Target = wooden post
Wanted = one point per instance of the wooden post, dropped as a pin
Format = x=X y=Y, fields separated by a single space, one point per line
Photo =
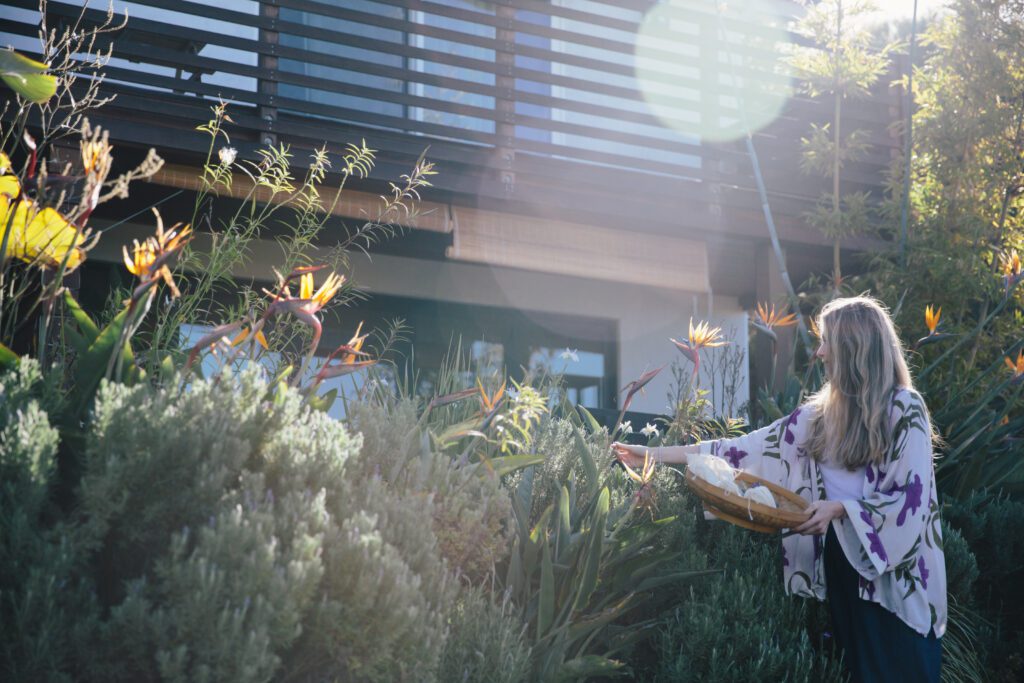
x=268 y=64
x=505 y=104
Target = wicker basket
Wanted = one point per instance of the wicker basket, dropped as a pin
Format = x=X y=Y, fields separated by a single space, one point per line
x=747 y=513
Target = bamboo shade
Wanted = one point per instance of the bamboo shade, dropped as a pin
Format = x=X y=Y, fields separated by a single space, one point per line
x=574 y=249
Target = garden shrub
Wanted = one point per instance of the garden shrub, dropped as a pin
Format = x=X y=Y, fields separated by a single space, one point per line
x=993 y=527
x=41 y=598
x=741 y=626
x=470 y=508
x=485 y=642
x=228 y=542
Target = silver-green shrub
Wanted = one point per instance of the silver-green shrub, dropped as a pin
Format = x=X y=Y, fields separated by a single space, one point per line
x=470 y=508
x=42 y=600
x=485 y=643
x=231 y=543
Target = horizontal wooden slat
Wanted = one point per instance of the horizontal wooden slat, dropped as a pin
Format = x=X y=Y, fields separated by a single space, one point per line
x=498 y=123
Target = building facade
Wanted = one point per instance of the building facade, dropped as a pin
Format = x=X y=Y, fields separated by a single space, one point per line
x=594 y=191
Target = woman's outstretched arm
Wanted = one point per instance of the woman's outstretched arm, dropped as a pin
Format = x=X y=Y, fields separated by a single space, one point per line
x=633 y=455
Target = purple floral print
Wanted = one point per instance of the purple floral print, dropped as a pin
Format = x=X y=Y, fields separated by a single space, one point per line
x=790 y=423
x=911 y=499
x=734 y=455
x=876 y=542
x=923 y=570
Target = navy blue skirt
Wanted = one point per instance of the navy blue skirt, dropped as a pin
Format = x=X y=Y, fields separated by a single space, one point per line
x=875 y=644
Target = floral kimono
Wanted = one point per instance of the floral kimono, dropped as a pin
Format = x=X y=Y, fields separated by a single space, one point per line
x=891 y=536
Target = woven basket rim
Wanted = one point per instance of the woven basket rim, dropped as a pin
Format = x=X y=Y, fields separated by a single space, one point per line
x=745 y=512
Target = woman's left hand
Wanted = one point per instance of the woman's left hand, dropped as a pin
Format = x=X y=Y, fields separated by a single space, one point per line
x=822 y=513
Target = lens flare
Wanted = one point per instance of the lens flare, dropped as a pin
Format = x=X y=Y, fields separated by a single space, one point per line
x=714 y=70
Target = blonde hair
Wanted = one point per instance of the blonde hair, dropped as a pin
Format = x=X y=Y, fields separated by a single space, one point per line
x=850 y=424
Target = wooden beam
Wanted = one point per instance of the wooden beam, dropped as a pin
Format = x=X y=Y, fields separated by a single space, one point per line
x=578 y=250
x=432 y=216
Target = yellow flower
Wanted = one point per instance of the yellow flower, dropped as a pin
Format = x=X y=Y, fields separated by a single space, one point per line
x=770 y=319
x=1011 y=264
x=646 y=472
x=96 y=157
x=931 y=318
x=41 y=237
x=142 y=257
x=705 y=336
x=322 y=296
x=9 y=184
x=244 y=334
x=355 y=344
x=488 y=404
x=1016 y=368
x=148 y=260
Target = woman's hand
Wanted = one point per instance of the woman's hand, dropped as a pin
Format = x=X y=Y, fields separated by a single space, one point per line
x=822 y=513
x=631 y=455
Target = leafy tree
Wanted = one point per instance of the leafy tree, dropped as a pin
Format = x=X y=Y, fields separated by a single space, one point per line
x=843 y=64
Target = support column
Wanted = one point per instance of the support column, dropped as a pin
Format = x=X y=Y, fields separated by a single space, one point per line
x=268 y=64
x=505 y=105
x=770 y=290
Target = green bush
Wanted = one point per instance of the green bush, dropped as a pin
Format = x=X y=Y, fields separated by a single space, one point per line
x=42 y=599
x=218 y=535
x=485 y=642
x=993 y=527
x=741 y=626
x=470 y=509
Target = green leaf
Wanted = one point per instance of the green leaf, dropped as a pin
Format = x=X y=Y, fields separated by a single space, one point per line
x=8 y=358
x=546 y=608
x=589 y=466
x=593 y=558
x=27 y=77
x=167 y=368
x=590 y=420
x=323 y=403
x=658 y=581
x=507 y=464
x=564 y=520
x=77 y=341
x=588 y=666
x=92 y=365
x=85 y=324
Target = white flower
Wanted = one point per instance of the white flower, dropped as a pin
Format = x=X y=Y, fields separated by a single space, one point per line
x=570 y=354
x=626 y=427
x=649 y=431
x=227 y=155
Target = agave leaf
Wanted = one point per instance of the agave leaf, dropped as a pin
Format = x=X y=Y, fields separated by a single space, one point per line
x=592 y=560
x=653 y=582
x=92 y=365
x=590 y=420
x=564 y=525
x=589 y=466
x=27 y=77
x=8 y=358
x=540 y=527
x=508 y=464
x=79 y=343
x=589 y=666
x=85 y=324
x=546 y=607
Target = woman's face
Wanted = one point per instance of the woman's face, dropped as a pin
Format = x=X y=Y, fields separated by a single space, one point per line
x=823 y=352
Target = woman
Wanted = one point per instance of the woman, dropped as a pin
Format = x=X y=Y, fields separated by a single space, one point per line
x=861 y=451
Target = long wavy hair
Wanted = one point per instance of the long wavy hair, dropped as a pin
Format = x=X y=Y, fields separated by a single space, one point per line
x=850 y=424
